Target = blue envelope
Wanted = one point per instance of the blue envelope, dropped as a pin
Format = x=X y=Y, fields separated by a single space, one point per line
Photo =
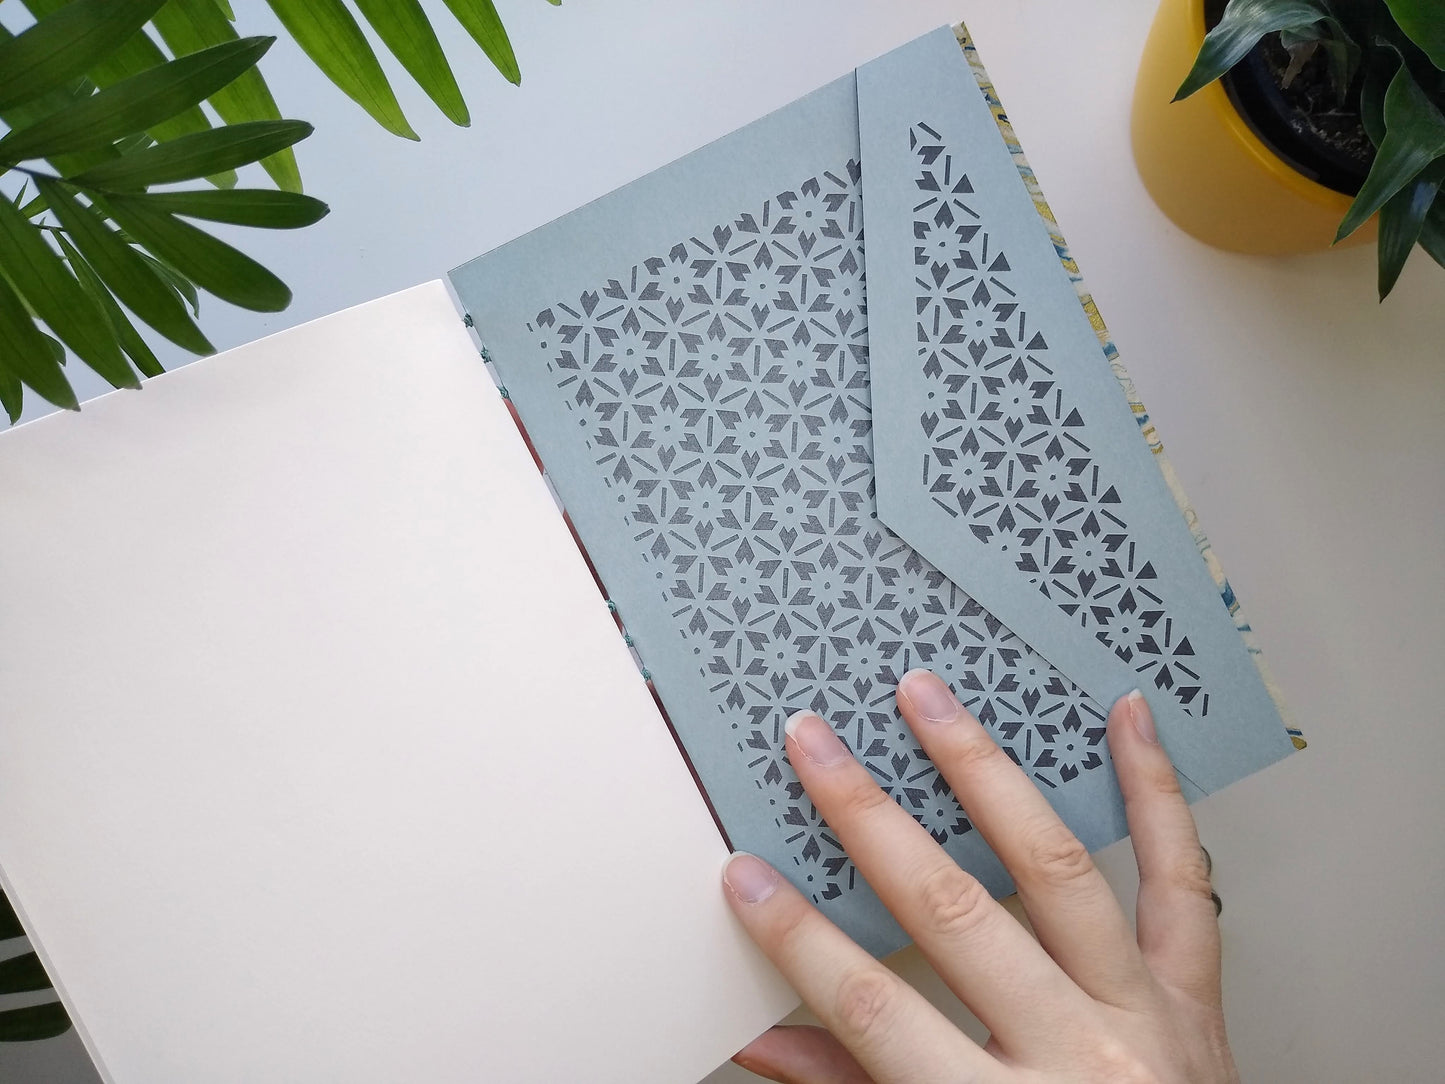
x=826 y=401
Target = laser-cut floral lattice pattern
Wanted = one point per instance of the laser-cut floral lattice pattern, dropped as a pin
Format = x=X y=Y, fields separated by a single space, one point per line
x=1008 y=453
x=723 y=389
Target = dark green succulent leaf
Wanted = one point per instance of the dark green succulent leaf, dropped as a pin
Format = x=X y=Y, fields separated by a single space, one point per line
x=121 y=268
x=1380 y=68
x=135 y=347
x=187 y=26
x=20 y=974
x=1344 y=59
x=210 y=263
x=1244 y=23
x=329 y=34
x=33 y=1023
x=480 y=19
x=1401 y=220
x=57 y=298
x=404 y=27
x=1414 y=137
x=12 y=393
x=133 y=105
x=27 y=354
x=243 y=207
x=63 y=46
x=196 y=155
x=185 y=289
x=1424 y=22
x=9 y=921
x=1432 y=231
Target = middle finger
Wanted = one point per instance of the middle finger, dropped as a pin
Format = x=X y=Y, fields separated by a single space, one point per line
x=1071 y=907
x=984 y=956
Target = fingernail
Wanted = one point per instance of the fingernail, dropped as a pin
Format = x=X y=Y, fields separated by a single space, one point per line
x=929 y=697
x=1143 y=718
x=748 y=878
x=815 y=739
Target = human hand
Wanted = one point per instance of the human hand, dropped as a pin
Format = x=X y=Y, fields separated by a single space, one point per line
x=1087 y=1001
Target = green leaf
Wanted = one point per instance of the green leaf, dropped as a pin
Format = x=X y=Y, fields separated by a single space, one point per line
x=64 y=45
x=1244 y=23
x=135 y=104
x=45 y=282
x=1424 y=22
x=329 y=34
x=210 y=263
x=1401 y=220
x=9 y=921
x=34 y=1022
x=136 y=348
x=22 y=973
x=480 y=19
x=195 y=155
x=121 y=268
x=1432 y=232
x=185 y=289
x=27 y=354
x=1378 y=72
x=136 y=54
x=12 y=393
x=243 y=207
x=187 y=26
x=1414 y=137
x=404 y=27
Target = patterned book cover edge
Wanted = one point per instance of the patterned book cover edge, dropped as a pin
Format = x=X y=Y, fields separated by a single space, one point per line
x=1111 y=352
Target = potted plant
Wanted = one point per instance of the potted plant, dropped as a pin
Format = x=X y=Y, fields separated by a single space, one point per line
x=1281 y=126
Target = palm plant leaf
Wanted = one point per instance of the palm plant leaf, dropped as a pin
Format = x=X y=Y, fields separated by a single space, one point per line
x=328 y=33
x=135 y=347
x=65 y=45
x=211 y=264
x=123 y=270
x=134 y=104
x=27 y=354
x=187 y=26
x=193 y=156
x=53 y=293
x=480 y=19
x=403 y=26
x=244 y=207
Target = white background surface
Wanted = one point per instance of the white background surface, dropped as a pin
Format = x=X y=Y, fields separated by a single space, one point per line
x=1306 y=421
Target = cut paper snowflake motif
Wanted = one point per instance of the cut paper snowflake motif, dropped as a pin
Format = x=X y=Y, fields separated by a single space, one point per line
x=1009 y=455
x=723 y=391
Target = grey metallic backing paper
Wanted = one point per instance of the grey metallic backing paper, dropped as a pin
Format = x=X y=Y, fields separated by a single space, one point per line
x=794 y=493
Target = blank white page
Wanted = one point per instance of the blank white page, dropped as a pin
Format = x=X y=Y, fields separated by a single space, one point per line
x=321 y=758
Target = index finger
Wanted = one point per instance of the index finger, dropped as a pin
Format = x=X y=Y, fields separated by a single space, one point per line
x=883 y=1022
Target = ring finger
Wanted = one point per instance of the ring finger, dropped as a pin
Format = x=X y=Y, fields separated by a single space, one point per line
x=976 y=947
x=1070 y=906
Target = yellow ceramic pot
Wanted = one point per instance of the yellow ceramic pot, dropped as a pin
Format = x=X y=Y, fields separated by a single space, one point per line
x=1205 y=167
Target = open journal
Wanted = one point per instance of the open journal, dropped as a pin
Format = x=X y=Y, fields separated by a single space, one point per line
x=322 y=755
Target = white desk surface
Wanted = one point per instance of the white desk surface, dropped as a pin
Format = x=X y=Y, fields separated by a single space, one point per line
x=1307 y=422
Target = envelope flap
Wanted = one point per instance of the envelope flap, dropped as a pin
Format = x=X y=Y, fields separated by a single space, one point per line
x=1006 y=449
